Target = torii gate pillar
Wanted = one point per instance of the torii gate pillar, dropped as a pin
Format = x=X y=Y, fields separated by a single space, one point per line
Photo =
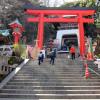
x=40 y=31
x=81 y=33
x=81 y=36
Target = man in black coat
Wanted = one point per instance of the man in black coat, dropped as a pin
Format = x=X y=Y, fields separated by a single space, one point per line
x=52 y=57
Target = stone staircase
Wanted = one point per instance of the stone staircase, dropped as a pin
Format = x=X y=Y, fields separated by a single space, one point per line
x=63 y=81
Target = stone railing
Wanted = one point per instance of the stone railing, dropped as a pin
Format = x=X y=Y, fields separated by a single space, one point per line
x=5 y=68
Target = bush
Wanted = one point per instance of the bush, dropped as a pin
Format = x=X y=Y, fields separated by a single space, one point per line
x=98 y=55
x=14 y=60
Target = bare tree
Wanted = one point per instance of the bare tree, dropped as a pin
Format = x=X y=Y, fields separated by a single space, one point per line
x=37 y=2
x=52 y=3
x=45 y=2
x=55 y=3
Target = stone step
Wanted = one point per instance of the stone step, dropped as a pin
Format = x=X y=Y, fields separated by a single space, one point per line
x=50 y=76
x=82 y=87
x=54 y=77
x=55 y=80
x=39 y=99
x=41 y=91
x=52 y=68
x=55 y=74
x=60 y=73
x=50 y=96
x=65 y=70
x=53 y=83
x=50 y=73
x=42 y=74
x=59 y=66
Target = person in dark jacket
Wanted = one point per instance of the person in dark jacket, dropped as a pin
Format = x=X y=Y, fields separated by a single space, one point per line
x=40 y=58
x=52 y=57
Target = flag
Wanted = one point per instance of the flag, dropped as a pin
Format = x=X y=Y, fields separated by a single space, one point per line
x=90 y=50
x=90 y=46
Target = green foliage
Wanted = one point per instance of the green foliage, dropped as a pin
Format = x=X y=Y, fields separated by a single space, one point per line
x=20 y=54
x=97 y=49
x=20 y=50
x=89 y=28
x=85 y=3
x=36 y=2
x=12 y=60
x=31 y=30
x=97 y=19
x=98 y=55
x=2 y=77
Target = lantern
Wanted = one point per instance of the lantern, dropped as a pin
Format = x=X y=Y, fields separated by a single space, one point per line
x=17 y=30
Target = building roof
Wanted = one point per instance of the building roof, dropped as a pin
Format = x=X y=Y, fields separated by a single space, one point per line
x=37 y=7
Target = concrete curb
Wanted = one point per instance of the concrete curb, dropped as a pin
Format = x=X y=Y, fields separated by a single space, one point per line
x=13 y=73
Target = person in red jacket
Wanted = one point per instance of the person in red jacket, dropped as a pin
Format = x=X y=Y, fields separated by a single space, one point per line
x=72 y=52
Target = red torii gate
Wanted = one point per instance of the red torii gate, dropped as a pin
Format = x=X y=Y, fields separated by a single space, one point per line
x=39 y=16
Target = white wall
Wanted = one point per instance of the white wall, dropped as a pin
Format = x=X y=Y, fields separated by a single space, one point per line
x=61 y=33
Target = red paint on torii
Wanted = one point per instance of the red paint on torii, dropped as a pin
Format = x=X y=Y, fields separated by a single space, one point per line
x=41 y=19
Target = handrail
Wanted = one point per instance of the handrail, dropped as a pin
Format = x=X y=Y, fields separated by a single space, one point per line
x=85 y=62
x=6 y=68
x=15 y=71
x=93 y=71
